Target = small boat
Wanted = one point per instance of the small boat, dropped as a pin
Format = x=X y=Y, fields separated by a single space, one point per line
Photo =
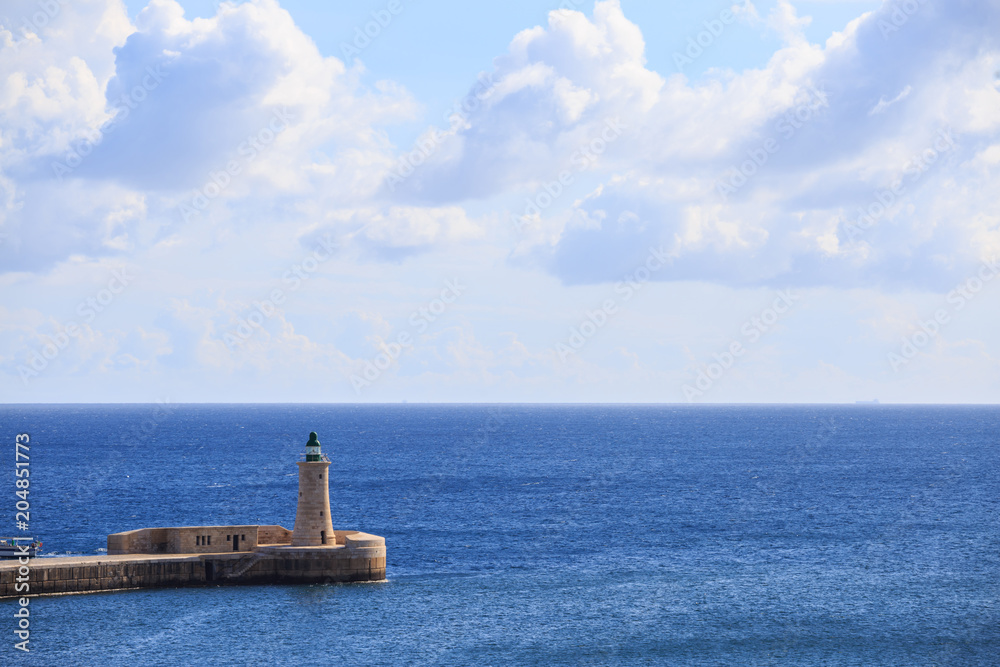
x=13 y=547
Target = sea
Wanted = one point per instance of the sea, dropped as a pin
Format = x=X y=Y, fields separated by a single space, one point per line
x=535 y=534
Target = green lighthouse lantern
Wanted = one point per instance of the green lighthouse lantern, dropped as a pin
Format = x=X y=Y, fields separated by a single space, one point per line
x=312 y=448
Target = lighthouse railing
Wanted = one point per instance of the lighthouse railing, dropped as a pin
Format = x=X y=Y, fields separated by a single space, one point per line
x=322 y=457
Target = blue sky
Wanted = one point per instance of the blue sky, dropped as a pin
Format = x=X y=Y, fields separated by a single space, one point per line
x=618 y=201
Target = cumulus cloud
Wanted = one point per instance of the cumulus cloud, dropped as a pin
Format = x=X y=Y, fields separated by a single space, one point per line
x=228 y=78
x=845 y=197
x=550 y=94
x=393 y=233
x=768 y=176
x=765 y=176
x=110 y=131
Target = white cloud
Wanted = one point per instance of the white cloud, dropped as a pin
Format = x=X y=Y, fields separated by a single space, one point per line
x=135 y=121
x=847 y=119
x=884 y=104
x=829 y=127
x=395 y=232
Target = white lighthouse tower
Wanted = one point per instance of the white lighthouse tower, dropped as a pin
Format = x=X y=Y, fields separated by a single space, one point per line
x=313 y=526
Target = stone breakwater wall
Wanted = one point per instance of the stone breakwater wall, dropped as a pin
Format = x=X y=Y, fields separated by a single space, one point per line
x=360 y=558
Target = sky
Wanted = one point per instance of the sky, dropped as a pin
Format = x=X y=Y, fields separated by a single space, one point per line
x=613 y=201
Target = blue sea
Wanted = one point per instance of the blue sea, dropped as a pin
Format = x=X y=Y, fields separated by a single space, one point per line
x=537 y=535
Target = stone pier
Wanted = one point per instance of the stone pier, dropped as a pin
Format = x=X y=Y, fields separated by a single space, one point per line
x=356 y=557
x=312 y=553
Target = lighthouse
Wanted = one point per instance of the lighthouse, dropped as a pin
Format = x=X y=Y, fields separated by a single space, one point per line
x=313 y=526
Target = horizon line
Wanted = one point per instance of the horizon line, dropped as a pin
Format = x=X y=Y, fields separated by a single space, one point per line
x=866 y=404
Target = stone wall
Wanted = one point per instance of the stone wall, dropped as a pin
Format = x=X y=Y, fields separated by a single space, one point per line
x=273 y=535
x=212 y=539
x=145 y=541
x=83 y=575
x=268 y=565
x=278 y=565
x=183 y=540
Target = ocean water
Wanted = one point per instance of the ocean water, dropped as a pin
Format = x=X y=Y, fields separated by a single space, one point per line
x=538 y=535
